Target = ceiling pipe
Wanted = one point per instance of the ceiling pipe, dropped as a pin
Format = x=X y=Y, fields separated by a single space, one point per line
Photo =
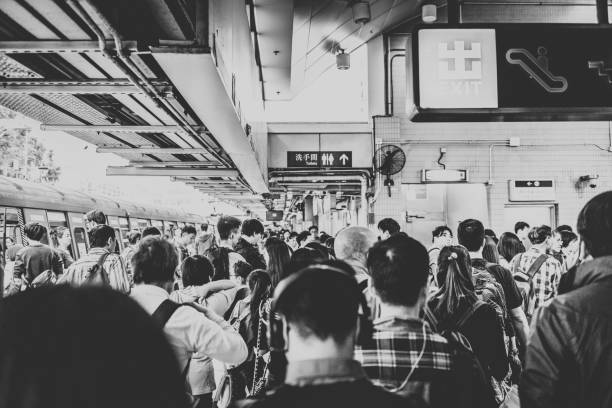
x=155 y=171
x=152 y=150
x=602 y=12
x=132 y=71
x=112 y=128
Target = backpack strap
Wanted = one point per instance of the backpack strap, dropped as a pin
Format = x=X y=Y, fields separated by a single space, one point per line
x=164 y=312
x=535 y=267
x=363 y=285
x=468 y=313
x=100 y=270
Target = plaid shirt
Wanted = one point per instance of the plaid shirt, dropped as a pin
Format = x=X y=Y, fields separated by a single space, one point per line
x=78 y=272
x=399 y=342
x=545 y=281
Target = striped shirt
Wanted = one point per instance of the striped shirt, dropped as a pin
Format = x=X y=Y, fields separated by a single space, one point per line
x=78 y=273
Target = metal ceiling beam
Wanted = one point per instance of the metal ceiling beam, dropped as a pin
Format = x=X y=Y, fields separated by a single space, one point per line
x=113 y=128
x=151 y=150
x=173 y=163
x=153 y=171
x=52 y=46
x=41 y=86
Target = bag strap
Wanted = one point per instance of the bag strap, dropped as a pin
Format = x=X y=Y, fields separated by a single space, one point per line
x=100 y=265
x=535 y=267
x=468 y=313
x=164 y=312
x=363 y=285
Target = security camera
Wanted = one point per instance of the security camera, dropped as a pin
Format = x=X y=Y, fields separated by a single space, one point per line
x=590 y=179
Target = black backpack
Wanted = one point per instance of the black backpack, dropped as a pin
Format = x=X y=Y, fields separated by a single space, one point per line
x=96 y=270
x=473 y=390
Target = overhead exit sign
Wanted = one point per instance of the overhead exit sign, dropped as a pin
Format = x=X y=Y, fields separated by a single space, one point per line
x=511 y=72
x=320 y=159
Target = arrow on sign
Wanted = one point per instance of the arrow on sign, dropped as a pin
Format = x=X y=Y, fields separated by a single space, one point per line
x=344 y=158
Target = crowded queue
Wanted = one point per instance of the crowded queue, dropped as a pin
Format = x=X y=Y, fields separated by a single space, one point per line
x=253 y=318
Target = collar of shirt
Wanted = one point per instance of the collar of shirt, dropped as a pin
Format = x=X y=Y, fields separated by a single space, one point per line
x=323 y=371
x=149 y=296
x=98 y=251
x=536 y=250
x=36 y=244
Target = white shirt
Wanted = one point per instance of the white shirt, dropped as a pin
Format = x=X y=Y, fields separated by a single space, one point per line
x=193 y=336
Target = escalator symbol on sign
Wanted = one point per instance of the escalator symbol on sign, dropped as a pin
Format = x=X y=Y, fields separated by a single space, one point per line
x=537 y=68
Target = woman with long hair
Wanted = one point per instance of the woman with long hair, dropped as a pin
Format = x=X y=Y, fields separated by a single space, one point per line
x=277 y=258
x=489 y=251
x=509 y=246
x=456 y=307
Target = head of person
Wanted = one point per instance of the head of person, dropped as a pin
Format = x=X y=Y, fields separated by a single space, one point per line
x=509 y=246
x=442 y=236
x=188 y=235
x=241 y=272
x=229 y=229
x=102 y=236
x=318 y=308
x=387 y=227
x=455 y=279
x=489 y=251
x=9 y=242
x=556 y=243
x=277 y=258
x=302 y=238
x=134 y=237
x=204 y=227
x=491 y=234
x=353 y=243
x=316 y=245
x=34 y=231
x=61 y=237
x=564 y=227
x=399 y=268
x=303 y=258
x=314 y=231
x=567 y=238
x=293 y=238
x=521 y=229
x=86 y=349
x=196 y=270
x=323 y=236
x=252 y=231
x=154 y=262
x=471 y=234
x=542 y=235
x=94 y=217
x=286 y=235
x=151 y=232
x=595 y=225
x=329 y=244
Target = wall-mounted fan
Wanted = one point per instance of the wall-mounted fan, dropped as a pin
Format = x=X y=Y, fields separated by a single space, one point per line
x=389 y=160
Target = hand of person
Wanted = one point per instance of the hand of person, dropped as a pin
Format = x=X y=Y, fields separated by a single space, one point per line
x=208 y=313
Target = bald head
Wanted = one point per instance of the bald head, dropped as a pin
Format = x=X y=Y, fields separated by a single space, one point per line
x=353 y=243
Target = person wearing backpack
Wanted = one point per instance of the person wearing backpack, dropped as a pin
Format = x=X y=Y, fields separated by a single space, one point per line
x=100 y=266
x=223 y=256
x=194 y=332
x=405 y=355
x=456 y=307
x=471 y=234
x=37 y=264
x=537 y=274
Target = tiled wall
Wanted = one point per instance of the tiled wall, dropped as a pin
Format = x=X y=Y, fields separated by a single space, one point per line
x=562 y=151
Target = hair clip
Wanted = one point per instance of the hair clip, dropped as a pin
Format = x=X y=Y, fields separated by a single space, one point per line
x=452 y=256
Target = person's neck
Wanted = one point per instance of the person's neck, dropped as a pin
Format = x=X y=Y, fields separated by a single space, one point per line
x=476 y=254
x=316 y=349
x=250 y=240
x=226 y=244
x=541 y=247
x=387 y=310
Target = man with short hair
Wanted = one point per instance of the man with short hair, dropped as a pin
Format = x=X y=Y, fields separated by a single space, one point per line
x=318 y=310
x=471 y=234
x=521 y=229
x=387 y=227
x=196 y=333
x=406 y=355
x=247 y=245
x=151 y=231
x=35 y=258
x=569 y=358
x=314 y=233
x=112 y=271
x=186 y=239
x=205 y=241
x=224 y=257
x=93 y=218
x=351 y=246
x=441 y=237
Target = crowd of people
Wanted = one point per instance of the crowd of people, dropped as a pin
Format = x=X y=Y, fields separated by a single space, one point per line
x=254 y=318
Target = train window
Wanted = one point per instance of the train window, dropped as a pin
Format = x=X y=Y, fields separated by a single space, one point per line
x=81 y=240
x=142 y=224
x=13 y=232
x=113 y=221
x=123 y=223
x=158 y=224
x=39 y=216
x=60 y=235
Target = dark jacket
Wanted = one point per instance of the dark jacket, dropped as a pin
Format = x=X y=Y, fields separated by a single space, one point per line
x=33 y=260
x=250 y=253
x=569 y=356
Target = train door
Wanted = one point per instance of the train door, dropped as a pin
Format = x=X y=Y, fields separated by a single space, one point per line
x=532 y=214
x=431 y=205
x=124 y=230
x=114 y=223
x=79 y=234
x=58 y=226
x=10 y=226
x=40 y=216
